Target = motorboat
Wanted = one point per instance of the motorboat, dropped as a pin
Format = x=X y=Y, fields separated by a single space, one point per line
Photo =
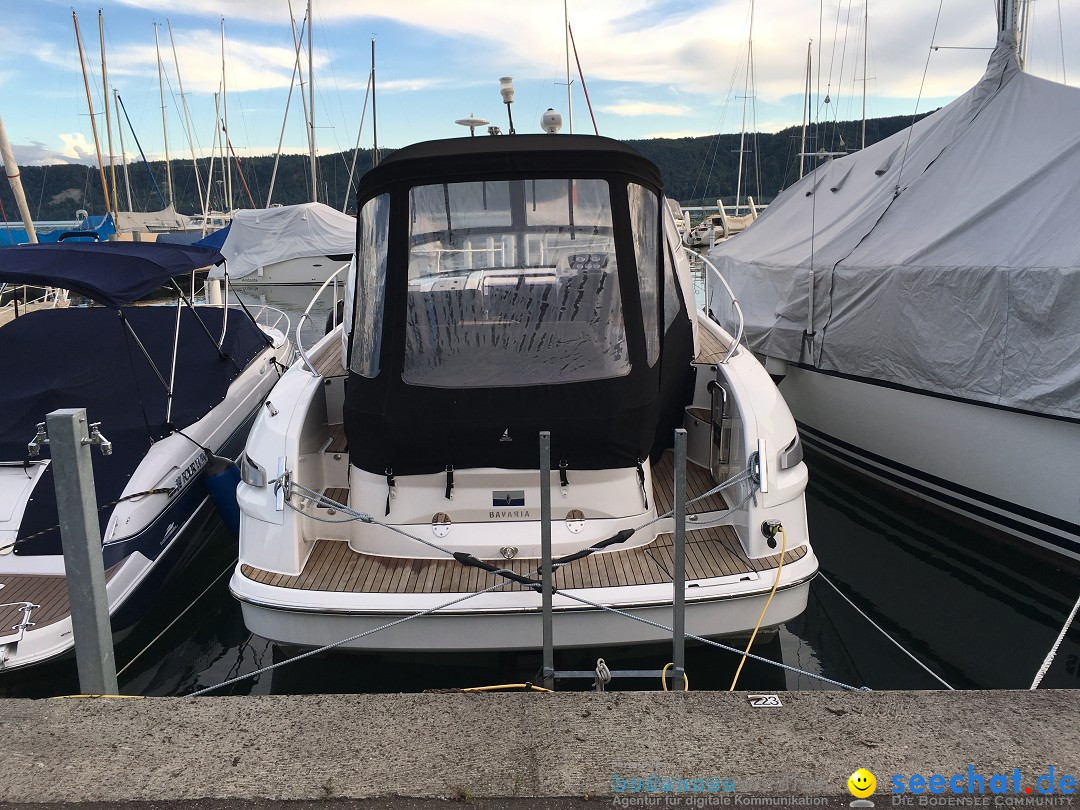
x=918 y=299
x=170 y=387
x=719 y=227
x=503 y=287
x=285 y=244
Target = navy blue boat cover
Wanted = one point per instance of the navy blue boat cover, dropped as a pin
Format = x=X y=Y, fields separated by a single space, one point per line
x=82 y=357
x=111 y=273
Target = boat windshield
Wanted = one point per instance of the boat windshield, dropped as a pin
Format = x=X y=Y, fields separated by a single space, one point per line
x=512 y=283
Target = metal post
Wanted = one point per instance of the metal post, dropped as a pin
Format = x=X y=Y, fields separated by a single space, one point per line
x=548 y=671
x=76 y=503
x=678 y=579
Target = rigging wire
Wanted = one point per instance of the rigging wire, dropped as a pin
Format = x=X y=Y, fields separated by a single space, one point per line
x=922 y=84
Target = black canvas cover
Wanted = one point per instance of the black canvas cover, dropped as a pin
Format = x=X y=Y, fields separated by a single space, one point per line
x=595 y=424
x=83 y=358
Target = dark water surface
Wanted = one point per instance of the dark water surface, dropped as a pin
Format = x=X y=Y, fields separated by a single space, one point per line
x=980 y=612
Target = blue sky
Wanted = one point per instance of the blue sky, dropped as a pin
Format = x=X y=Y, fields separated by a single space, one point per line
x=653 y=67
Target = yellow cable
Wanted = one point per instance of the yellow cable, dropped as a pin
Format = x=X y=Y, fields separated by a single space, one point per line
x=779 y=568
x=108 y=697
x=663 y=678
x=528 y=687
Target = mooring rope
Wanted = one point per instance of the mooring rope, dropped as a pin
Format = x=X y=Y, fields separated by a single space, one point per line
x=1054 y=649
x=880 y=629
x=348 y=640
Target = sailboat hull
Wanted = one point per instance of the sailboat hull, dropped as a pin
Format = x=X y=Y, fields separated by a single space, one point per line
x=1008 y=470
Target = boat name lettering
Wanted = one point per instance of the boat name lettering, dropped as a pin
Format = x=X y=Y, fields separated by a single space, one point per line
x=509 y=514
x=188 y=473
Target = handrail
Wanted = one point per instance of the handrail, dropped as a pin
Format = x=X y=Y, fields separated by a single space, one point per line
x=307 y=314
x=734 y=303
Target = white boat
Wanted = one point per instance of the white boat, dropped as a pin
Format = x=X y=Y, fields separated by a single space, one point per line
x=499 y=287
x=287 y=244
x=169 y=386
x=921 y=298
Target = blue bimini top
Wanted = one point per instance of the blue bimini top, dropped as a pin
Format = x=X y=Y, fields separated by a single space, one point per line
x=111 y=273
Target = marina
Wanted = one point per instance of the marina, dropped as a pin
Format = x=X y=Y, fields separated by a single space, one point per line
x=510 y=480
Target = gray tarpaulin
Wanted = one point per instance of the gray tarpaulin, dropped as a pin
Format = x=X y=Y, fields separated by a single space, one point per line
x=946 y=258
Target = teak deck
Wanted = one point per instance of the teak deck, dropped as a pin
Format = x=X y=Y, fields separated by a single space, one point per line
x=714 y=552
x=50 y=592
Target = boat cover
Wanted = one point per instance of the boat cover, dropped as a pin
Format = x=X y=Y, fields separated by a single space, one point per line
x=82 y=357
x=944 y=258
x=261 y=236
x=111 y=273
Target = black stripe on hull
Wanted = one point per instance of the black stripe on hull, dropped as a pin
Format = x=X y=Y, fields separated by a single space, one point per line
x=1049 y=531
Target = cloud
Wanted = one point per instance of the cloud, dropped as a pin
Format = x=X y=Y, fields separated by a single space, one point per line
x=636 y=108
x=38 y=154
x=77 y=148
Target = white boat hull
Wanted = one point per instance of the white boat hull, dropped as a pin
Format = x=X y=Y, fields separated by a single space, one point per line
x=492 y=622
x=301 y=270
x=1014 y=472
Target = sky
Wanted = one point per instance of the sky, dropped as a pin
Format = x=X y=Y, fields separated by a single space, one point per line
x=652 y=68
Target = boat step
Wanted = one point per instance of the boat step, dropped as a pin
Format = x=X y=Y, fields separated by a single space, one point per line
x=337 y=494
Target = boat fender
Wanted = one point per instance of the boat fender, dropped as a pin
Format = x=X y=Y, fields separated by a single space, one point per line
x=222 y=478
x=564 y=482
x=334 y=318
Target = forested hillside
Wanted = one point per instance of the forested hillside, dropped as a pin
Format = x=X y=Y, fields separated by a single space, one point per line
x=694 y=169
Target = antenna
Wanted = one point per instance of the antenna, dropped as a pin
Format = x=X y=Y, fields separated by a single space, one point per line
x=472 y=122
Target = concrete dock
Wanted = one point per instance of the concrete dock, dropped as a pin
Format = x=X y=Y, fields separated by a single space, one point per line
x=488 y=748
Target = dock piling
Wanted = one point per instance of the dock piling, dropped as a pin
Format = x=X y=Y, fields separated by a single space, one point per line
x=76 y=504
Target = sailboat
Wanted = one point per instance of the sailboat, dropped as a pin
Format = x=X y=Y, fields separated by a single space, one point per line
x=501 y=287
x=919 y=299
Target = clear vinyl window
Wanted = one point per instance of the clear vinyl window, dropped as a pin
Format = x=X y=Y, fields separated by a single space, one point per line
x=370 y=290
x=512 y=283
x=644 y=219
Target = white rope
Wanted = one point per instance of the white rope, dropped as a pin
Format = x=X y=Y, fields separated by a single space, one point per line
x=880 y=629
x=348 y=640
x=1054 y=650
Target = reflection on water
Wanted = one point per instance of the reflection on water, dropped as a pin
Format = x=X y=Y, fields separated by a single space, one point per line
x=980 y=612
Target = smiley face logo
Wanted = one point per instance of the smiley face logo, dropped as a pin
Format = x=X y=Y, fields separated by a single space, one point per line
x=861 y=783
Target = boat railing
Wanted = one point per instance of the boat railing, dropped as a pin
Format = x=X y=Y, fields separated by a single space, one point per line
x=334 y=282
x=736 y=308
x=36 y=297
x=269 y=317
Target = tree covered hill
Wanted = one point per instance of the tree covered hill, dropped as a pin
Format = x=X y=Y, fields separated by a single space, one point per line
x=694 y=170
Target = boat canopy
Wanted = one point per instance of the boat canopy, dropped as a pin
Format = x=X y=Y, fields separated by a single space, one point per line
x=507 y=285
x=84 y=357
x=943 y=258
x=111 y=273
x=260 y=236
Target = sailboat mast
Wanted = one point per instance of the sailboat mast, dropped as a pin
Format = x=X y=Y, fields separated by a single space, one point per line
x=865 y=37
x=374 y=118
x=123 y=151
x=225 y=105
x=105 y=101
x=12 y=169
x=569 y=95
x=164 y=118
x=288 y=103
x=805 y=113
x=746 y=91
x=187 y=116
x=93 y=123
x=311 y=106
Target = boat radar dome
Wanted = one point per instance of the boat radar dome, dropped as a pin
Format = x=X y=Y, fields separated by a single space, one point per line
x=551 y=121
x=472 y=122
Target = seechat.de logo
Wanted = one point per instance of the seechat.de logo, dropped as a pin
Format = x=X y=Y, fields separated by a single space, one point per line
x=861 y=784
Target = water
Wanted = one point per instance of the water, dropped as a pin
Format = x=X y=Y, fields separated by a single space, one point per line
x=982 y=613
